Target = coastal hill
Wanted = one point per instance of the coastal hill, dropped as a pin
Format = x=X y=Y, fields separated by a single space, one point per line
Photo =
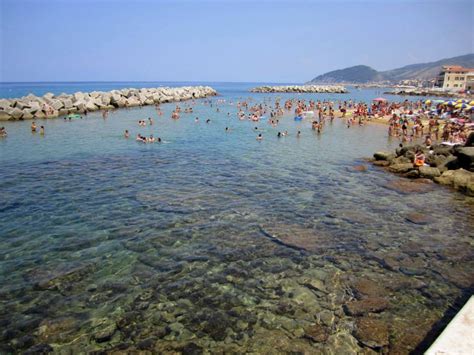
x=365 y=74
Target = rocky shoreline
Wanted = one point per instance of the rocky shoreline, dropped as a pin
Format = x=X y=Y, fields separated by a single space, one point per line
x=451 y=166
x=423 y=92
x=51 y=106
x=301 y=89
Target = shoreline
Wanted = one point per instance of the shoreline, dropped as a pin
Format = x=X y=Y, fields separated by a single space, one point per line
x=53 y=106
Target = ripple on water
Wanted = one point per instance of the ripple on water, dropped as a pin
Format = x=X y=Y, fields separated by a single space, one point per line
x=225 y=244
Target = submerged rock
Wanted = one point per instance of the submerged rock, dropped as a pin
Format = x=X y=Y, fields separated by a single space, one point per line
x=372 y=332
x=367 y=305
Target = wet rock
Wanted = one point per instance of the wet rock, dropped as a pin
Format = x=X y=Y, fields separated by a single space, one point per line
x=418 y=218
x=316 y=333
x=105 y=331
x=413 y=174
x=428 y=172
x=53 y=330
x=384 y=156
x=326 y=317
x=147 y=344
x=23 y=342
x=465 y=157
x=360 y=168
x=369 y=288
x=39 y=349
x=401 y=160
x=404 y=186
x=366 y=305
x=372 y=332
x=400 y=168
x=191 y=349
x=381 y=163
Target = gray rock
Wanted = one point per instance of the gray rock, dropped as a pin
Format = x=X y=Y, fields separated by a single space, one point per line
x=429 y=172
x=465 y=157
x=384 y=156
x=4 y=116
x=401 y=168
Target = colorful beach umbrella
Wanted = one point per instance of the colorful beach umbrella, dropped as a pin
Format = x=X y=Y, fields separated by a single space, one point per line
x=428 y=102
x=450 y=103
x=461 y=105
x=379 y=99
x=471 y=103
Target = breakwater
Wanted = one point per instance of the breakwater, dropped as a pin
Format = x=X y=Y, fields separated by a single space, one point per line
x=446 y=165
x=301 y=89
x=51 y=106
x=424 y=92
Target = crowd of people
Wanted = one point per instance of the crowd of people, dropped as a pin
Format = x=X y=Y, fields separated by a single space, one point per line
x=407 y=120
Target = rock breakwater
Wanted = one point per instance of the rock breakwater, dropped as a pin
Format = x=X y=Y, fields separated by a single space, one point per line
x=51 y=106
x=445 y=165
x=424 y=92
x=301 y=89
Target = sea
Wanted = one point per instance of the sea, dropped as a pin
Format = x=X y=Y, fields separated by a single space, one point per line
x=214 y=242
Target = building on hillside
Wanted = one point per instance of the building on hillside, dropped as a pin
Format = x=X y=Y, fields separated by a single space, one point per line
x=455 y=78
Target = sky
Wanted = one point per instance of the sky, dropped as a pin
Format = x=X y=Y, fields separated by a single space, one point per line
x=241 y=41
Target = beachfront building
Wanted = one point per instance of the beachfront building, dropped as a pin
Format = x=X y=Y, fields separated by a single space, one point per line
x=455 y=78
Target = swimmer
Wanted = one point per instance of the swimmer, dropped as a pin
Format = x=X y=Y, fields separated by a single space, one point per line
x=3 y=132
x=227 y=129
x=42 y=130
x=196 y=120
x=158 y=140
x=150 y=120
x=33 y=127
x=126 y=134
x=208 y=120
x=298 y=134
x=151 y=139
x=259 y=137
x=279 y=134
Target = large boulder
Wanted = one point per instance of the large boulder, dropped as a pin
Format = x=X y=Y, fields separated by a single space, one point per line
x=429 y=172
x=56 y=104
x=4 y=116
x=4 y=104
x=40 y=114
x=15 y=113
x=79 y=96
x=67 y=103
x=465 y=157
x=80 y=105
x=91 y=106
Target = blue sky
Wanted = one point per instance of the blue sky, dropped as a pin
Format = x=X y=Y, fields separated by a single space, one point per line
x=273 y=41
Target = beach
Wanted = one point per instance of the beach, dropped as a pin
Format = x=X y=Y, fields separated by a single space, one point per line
x=215 y=241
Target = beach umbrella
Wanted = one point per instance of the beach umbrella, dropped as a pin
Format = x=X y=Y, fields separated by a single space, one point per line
x=438 y=101
x=462 y=105
x=471 y=103
x=379 y=99
x=450 y=103
x=461 y=101
x=428 y=102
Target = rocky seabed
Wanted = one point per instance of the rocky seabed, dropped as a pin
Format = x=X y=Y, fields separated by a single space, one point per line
x=51 y=106
x=301 y=89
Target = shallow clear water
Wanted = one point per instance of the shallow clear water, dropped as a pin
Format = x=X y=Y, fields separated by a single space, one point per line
x=215 y=241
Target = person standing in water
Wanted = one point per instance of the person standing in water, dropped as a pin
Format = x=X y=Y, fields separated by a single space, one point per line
x=33 y=127
x=42 y=130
